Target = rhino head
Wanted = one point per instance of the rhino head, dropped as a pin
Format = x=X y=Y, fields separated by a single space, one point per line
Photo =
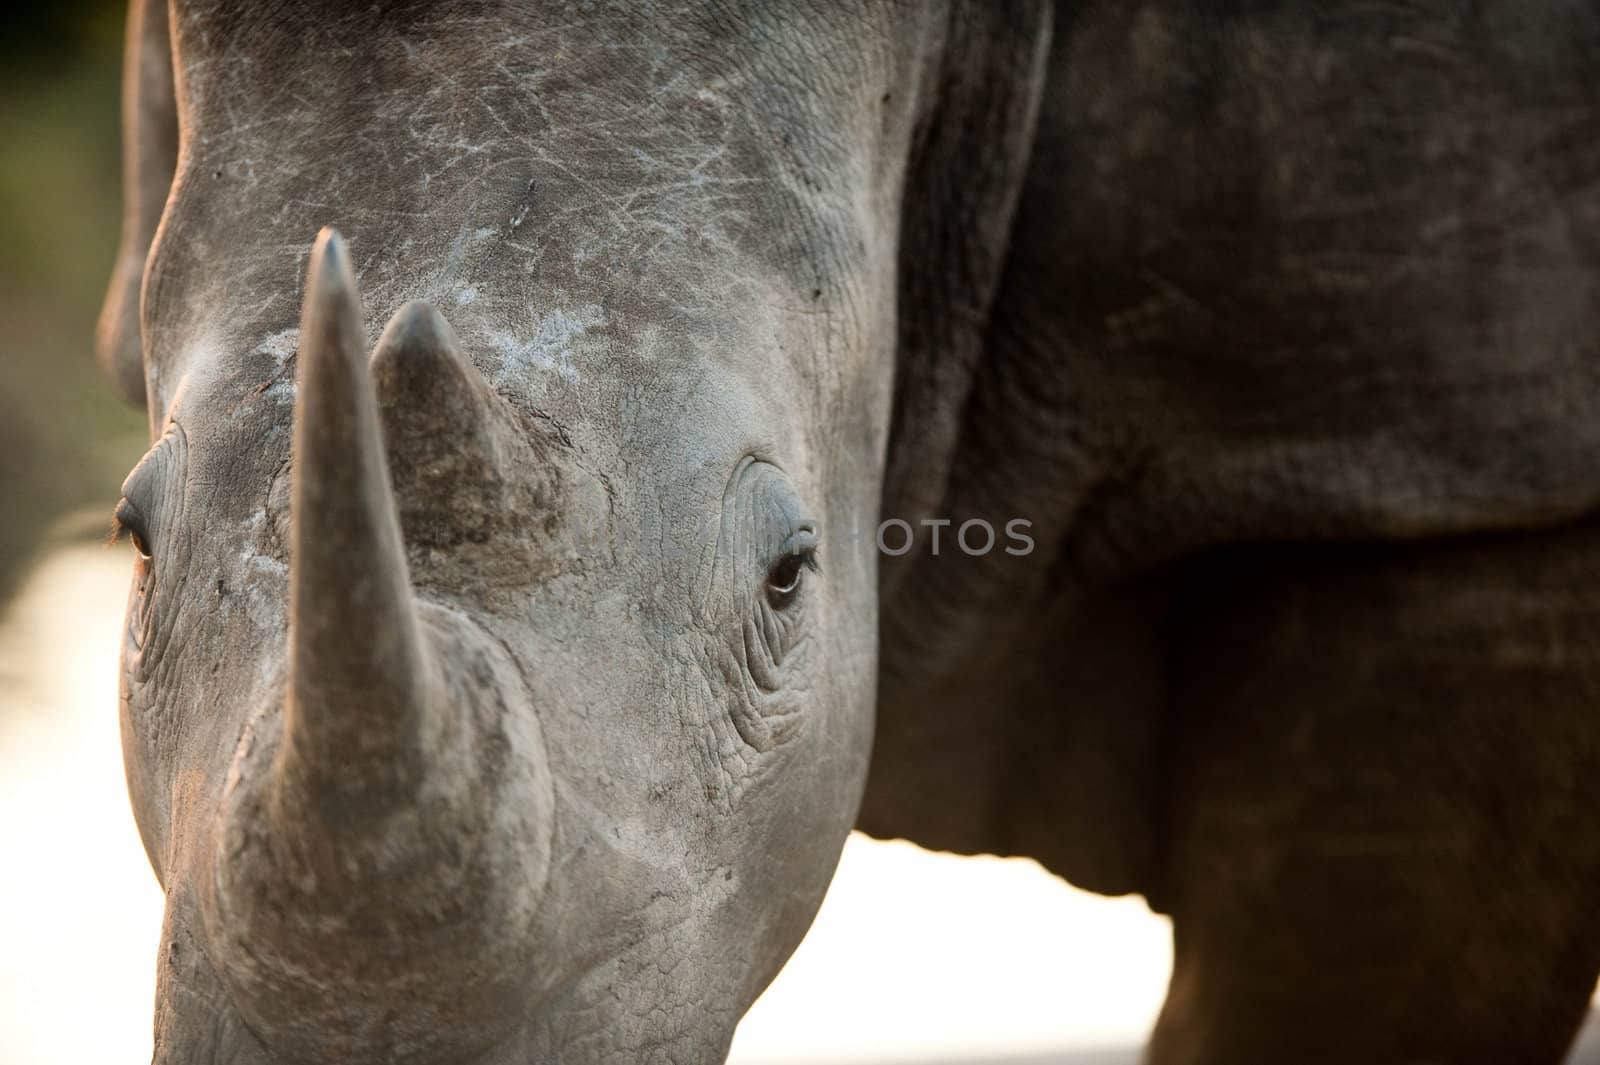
x=499 y=671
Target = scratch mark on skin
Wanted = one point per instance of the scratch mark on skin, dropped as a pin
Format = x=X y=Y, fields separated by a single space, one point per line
x=523 y=207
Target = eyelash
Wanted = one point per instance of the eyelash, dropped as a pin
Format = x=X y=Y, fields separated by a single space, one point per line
x=125 y=519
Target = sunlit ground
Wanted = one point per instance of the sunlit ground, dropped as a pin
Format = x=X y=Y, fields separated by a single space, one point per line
x=915 y=957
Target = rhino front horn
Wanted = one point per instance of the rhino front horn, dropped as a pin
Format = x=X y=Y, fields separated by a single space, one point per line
x=362 y=679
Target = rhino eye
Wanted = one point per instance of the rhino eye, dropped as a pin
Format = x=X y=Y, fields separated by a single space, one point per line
x=147 y=489
x=128 y=519
x=787 y=574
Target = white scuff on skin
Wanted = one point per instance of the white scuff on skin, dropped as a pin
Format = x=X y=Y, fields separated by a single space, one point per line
x=280 y=345
x=266 y=611
x=650 y=343
x=562 y=334
x=265 y=563
x=262 y=603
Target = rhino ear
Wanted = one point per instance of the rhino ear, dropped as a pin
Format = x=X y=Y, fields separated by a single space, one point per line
x=149 y=158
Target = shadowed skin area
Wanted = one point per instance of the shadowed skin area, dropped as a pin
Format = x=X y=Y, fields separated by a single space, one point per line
x=1314 y=284
x=505 y=650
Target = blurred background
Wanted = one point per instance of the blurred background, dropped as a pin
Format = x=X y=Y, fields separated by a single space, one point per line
x=916 y=957
x=65 y=441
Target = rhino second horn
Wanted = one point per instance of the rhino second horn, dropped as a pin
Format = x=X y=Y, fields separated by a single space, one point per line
x=418 y=367
x=362 y=682
x=446 y=431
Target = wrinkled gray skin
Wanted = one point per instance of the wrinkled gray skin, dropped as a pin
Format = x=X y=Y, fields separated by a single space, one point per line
x=463 y=719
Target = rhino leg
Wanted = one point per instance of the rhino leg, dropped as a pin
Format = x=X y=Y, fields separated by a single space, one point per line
x=1386 y=766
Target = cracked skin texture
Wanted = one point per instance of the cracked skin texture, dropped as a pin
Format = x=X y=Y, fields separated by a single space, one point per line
x=1274 y=320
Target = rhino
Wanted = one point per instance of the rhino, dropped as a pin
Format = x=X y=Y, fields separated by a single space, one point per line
x=539 y=575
